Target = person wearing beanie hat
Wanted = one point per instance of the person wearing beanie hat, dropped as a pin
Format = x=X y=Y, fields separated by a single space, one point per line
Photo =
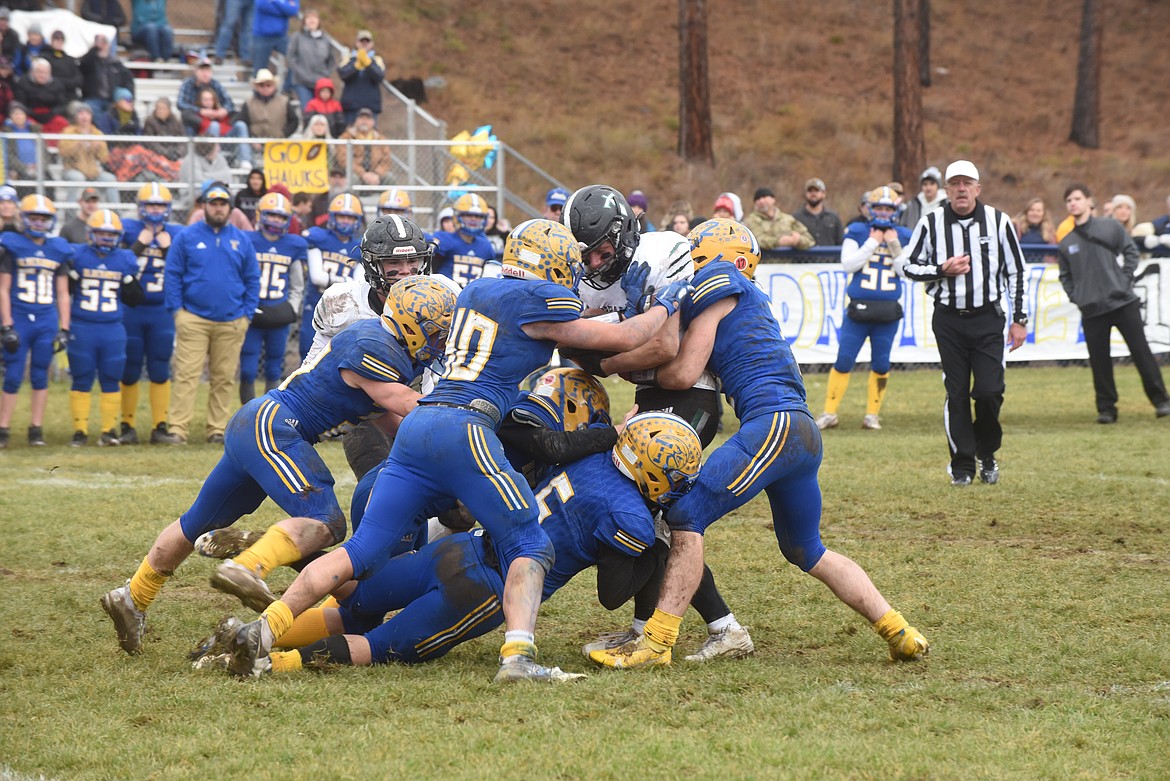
x=66 y=69
x=9 y=209
x=724 y=208
x=929 y=198
x=773 y=228
x=822 y=222
x=120 y=118
x=362 y=73
x=639 y=204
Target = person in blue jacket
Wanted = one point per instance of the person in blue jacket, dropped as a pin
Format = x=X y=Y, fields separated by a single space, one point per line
x=270 y=29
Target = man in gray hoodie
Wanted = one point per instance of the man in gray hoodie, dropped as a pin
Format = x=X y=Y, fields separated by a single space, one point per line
x=1103 y=291
x=310 y=57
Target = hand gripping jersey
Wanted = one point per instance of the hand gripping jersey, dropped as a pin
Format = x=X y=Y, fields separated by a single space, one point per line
x=97 y=298
x=751 y=358
x=487 y=352
x=151 y=262
x=275 y=259
x=458 y=259
x=876 y=280
x=35 y=268
x=319 y=402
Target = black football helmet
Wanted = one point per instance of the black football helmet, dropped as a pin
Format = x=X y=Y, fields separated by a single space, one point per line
x=391 y=237
x=598 y=213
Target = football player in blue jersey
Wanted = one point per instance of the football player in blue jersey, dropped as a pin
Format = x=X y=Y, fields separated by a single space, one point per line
x=268 y=452
x=34 y=310
x=730 y=328
x=150 y=328
x=503 y=330
x=598 y=510
x=466 y=254
x=102 y=278
x=875 y=308
x=333 y=251
x=282 y=258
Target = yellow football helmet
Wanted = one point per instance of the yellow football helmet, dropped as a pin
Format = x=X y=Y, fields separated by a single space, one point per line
x=543 y=250
x=721 y=239
x=882 y=196
x=105 y=230
x=273 y=213
x=345 y=205
x=395 y=202
x=574 y=396
x=40 y=215
x=418 y=311
x=156 y=195
x=471 y=213
x=661 y=454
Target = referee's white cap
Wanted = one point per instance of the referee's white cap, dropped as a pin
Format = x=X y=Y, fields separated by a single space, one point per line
x=962 y=168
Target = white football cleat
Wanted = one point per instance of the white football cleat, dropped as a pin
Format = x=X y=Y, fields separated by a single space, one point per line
x=129 y=621
x=826 y=420
x=871 y=422
x=731 y=643
x=244 y=584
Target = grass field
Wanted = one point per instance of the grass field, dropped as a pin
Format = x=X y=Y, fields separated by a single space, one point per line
x=1044 y=597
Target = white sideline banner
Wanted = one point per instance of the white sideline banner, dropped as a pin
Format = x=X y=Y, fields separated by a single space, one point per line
x=808 y=300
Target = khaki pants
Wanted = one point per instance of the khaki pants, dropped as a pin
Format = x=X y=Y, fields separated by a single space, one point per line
x=197 y=339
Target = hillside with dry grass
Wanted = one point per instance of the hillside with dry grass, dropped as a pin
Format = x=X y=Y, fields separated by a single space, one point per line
x=590 y=91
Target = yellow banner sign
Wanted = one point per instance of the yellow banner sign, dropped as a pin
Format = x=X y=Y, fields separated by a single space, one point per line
x=301 y=166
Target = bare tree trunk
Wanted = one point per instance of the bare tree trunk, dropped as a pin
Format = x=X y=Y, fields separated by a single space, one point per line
x=694 y=104
x=909 y=142
x=924 y=42
x=1086 y=120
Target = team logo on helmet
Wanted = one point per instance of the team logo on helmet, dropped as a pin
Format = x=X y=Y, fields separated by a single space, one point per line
x=722 y=239
x=471 y=213
x=882 y=196
x=395 y=202
x=341 y=208
x=274 y=213
x=661 y=454
x=154 y=203
x=105 y=230
x=40 y=215
x=543 y=250
x=418 y=311
x=572 y=396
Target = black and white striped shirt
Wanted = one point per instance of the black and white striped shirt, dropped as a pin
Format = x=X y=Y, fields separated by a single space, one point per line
x=997 y=264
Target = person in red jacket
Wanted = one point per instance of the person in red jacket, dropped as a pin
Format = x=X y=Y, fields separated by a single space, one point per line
x=325 y=103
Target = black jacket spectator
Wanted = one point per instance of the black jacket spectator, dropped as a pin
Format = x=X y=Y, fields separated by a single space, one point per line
x=102 y=73
x=66 y=70
x=44 y=101
x=104 y=12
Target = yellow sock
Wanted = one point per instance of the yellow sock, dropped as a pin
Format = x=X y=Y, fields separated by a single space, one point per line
x=160 y=402
x=285 y=661
x=662 y=630
x=109 y=407
x=518 y=647
x=279 y=618
x=838 y=382
x=145 y=585
x=890 y=624
x=79 y=402
x=129 y=403
x=877 y=392
x=330 y=603
x=269 y=552
x=309 y=627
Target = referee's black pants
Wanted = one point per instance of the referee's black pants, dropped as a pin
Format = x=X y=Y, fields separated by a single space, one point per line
x=970 y=345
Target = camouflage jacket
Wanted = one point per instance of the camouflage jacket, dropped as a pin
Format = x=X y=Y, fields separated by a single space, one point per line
x=769 y=230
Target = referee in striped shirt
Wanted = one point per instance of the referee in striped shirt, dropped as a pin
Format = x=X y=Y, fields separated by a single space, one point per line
x=968 y=255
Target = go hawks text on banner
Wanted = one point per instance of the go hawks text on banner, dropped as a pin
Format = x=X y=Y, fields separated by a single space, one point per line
x=301 y=166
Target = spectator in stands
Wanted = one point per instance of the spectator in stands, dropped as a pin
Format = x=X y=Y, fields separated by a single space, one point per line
x=76 y=228
x=9 y=209
x=270 y=29
x=193 y=114
x=371 y=163
x=362 y=73
x=21 y=154
x=736 y=212
x=724 y=208
x=676 y=208
x=1154 y=236
x=497 y=231
x=34 y=43
x=101 y=74
x=163 y=122
x=637 y=201
x=66 y=69
x=930 y=197
x=447 y=219
x=43 y=96
x=321 y=201
x=214 y=121
x=84 y=160
x=316 y=129
x=151 y=28
x=310 y=59
x=247 y=198
x=822 y=222
x=237 y=14
x=235 y=217
x=268 y=114
x=302 y=204
x=324 y=104
x=7 y=85
x=206 y=162
x=10 y=45
x=1034 y=225
x=103 y=12
x=554 y=203
x=773 y=228
x=120 y=119
x=1124 y=211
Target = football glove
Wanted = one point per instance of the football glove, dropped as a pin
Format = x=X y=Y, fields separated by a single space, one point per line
x=634 y=283
x=671 y=297
x=61 y=340
x=9 y=338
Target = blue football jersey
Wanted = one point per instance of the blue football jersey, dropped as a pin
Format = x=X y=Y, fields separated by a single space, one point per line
x=323 y=405
x=35 y=268
x=751 y=357
x=458 y=259
x=586 y=505
x=100 y=284
x=876 y=280
x=487 y=352
x=152 y=262
x=275 y=259
x=339 y=259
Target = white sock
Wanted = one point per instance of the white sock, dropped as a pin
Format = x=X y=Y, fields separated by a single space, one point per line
x=638 y=626
x=721 y=624
x=519 y=636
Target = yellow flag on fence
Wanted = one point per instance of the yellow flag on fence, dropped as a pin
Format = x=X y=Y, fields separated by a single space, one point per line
x=301 y=166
